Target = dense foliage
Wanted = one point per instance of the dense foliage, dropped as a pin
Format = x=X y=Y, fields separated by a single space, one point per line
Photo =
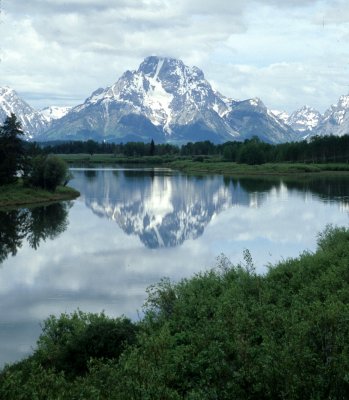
x=252 y=151
x=47 y=172
x=224 y=334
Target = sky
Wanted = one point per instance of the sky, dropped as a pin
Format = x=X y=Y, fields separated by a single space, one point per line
x=287 y=52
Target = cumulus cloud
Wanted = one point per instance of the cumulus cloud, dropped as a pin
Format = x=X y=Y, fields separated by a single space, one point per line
x=62 y=51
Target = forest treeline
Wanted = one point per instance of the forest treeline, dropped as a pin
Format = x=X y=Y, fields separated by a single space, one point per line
x=227 y=333
x=324 y=149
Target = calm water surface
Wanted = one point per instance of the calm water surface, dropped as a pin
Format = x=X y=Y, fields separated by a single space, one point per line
x=129 y=228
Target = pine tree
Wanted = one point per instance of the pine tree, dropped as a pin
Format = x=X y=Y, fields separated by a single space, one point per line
x=152 y=148
x=11 y=150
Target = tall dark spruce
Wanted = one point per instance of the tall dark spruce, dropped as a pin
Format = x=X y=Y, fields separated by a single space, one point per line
x=12 y=155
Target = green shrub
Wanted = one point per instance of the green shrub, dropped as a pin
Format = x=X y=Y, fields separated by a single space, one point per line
x=68 y=343
x=47 y=172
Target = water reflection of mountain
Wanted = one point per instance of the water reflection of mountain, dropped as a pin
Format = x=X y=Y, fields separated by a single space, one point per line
x=32 y=224
x=163 y=209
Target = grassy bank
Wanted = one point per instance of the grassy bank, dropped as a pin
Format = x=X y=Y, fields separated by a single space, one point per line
x=232 y=168
x=16 y=194
x=227 y=333
x=207 y=165
x=87 y=159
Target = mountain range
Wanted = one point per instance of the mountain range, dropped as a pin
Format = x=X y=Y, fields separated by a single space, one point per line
x=167 y=101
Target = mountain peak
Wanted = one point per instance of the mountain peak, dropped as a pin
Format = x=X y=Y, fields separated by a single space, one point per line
x=256 y=102
x=344 y=101
x=165 y=67
x=151 y=66
x=6 y=89
x=305 y=119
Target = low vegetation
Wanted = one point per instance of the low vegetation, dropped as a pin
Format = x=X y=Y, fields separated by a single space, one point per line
x=235 y=169
x=227 y=333
x=18 y=194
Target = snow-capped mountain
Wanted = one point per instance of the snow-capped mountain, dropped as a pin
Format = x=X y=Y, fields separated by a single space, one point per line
x=335 y=120
x=54 y=112
x=309 y=122
x=305 y=119
x=166 y=100
x=252 y=118
x=33 y=122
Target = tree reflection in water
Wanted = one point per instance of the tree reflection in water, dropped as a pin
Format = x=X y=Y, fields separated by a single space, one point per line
x=33 y=224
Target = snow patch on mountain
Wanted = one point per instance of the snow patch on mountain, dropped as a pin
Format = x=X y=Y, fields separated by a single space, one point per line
x=282 y=115
x=305 y=119
x=54 y=112
x=336 y=113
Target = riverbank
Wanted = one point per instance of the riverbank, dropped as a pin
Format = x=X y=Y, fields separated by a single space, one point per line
x=15 y=195
x=201 y=165
x=235 y=169
x=87 y=159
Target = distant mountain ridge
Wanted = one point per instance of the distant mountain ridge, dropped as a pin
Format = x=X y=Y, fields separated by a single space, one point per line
x=167 y=101
x=307 y=122
x=33 y=122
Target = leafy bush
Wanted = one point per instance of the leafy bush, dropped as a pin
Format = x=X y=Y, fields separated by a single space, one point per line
x=47 y=172
x=67 y=343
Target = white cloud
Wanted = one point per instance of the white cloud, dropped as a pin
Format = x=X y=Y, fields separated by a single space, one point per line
x=55 y=51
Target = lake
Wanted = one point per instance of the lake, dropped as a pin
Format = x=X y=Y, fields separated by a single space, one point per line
x=131 y=227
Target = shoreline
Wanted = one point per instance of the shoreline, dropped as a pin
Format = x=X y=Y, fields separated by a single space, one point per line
x=16 y=196
x=211 y=165
x=262 y=170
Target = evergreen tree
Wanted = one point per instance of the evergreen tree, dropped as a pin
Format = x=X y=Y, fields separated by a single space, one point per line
x=11 y=150
x=152 y=148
